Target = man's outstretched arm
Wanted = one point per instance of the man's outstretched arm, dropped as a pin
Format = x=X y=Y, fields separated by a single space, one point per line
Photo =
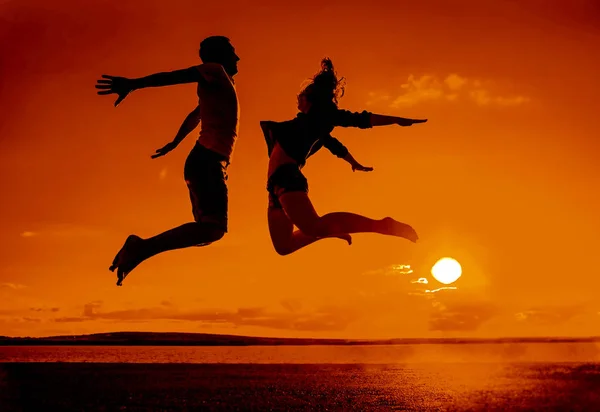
x=122 y=86
x=189 y=124
x=189 y=75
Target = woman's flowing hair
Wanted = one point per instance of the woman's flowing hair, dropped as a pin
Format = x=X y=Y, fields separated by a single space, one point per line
x=324 y=88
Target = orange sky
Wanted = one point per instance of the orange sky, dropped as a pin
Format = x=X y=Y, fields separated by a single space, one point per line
x=504 y=177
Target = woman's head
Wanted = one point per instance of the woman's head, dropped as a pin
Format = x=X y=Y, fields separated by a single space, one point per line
x=323 y=90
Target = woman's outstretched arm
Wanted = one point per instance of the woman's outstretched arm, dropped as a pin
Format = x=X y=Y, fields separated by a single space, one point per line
x=366 y=120
x=355 y=165
x=338 y=149
x=385 y=120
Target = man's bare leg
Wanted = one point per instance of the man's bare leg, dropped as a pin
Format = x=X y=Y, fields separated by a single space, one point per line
x=136 y=250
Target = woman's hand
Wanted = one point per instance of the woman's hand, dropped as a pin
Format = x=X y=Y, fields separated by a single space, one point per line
x=409 y=122
x=357 y=166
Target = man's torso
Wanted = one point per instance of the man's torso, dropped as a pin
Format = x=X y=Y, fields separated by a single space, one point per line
x=219 y=110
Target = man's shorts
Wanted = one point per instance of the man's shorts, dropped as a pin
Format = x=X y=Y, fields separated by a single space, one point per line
x=205 y=174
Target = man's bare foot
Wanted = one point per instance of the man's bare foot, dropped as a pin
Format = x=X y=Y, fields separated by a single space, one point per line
x=128 y=258
x=400 y=229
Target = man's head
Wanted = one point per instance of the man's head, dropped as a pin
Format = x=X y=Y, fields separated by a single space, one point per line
x=218 y=49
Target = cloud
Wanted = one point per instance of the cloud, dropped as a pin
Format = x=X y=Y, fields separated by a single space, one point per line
x=398 y=279
x=392 y=282
x=417 y=90
x=70 y=319
x=8 y=312
x=439 y=289
x=460 y=317
x=52 y=310
x=435 y=308
x=26 y=315
x=17 y=319
x=480 y=96
x=395 y=300
x=483 y=98
x=455 y=82
x=323 y=319
x=549 y=315
x=65 y=231
x=292 y=305
x=13 y=286
x=391 y=270
x=443 y=308
x=452 y=88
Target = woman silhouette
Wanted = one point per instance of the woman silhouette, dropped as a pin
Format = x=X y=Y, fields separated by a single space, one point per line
x=291 y=143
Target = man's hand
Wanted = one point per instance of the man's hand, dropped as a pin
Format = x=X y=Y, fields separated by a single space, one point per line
x=409 y=122
x=121 y=86
x=164 y=150
x=361 y=168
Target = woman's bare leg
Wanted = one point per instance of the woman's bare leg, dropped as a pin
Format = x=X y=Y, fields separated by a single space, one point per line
x=285 y=239
x=301 y=212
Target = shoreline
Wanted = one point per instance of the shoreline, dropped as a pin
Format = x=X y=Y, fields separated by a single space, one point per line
x=199 y=339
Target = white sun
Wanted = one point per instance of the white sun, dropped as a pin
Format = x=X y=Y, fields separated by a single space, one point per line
x=446 y=270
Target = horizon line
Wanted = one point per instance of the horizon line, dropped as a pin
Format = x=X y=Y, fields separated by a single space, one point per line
x=146 y=336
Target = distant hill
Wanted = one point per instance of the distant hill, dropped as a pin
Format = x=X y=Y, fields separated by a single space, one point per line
x=205 y=339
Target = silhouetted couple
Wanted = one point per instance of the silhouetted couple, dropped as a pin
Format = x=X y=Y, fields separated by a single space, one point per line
x=290 y=144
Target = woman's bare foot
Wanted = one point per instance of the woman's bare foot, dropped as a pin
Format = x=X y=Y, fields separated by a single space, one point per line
x=345 y=236
x=395 y=228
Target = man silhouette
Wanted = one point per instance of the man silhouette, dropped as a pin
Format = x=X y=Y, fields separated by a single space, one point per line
x=206 y=166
